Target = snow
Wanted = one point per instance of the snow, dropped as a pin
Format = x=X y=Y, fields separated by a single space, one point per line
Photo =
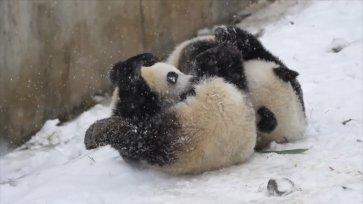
x=54 y=166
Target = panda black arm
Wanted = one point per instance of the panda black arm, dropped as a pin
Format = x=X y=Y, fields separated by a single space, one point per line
x=224 y=61
x=154 y=143
x=248 y=44
x=136 y=100
x=104 y=131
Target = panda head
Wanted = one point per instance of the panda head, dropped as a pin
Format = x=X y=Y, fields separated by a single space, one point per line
x=168 y=82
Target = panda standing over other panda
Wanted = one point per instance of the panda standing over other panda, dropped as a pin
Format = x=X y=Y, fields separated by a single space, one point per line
x=177 y=123
x=275 y=92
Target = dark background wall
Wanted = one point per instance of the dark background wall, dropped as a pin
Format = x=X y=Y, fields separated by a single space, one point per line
x=56 y=54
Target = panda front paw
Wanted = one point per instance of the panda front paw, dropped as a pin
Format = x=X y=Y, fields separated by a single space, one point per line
x=128 y=72
x=131 y=68
x=145 y=59
x=243 y=40
x=226 y=34
x=223 y=61
x=218 y=61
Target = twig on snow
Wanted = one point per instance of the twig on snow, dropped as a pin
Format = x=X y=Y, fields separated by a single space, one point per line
x=311 y=112
x=346 y=121
x=91 y=158
x=286 y=139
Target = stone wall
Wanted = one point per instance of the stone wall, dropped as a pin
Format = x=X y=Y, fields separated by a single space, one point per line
x=55 y=54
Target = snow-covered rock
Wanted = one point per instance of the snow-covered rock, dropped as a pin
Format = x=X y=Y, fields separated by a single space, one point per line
x=337 y=45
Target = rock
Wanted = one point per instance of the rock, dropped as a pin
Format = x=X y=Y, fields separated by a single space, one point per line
x=337 y=45
x=204 y=31
x=280 y=187
x=259 y=33
x=240 y=16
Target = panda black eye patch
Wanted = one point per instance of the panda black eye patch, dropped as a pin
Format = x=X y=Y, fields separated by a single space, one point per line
x=172 y=77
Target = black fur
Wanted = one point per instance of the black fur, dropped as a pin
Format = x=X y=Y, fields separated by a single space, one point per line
x=137 y=102
x=190 y=92
x=223 y=61
x=117 y=73
x=189 y=53
x=248 y=44
x=268 y=120
x=154 y=142
x=285 y=74
x=102 y=131
x=297 y=88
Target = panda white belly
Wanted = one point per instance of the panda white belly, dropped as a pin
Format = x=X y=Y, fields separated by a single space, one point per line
x=218 y=129
x=279 y=97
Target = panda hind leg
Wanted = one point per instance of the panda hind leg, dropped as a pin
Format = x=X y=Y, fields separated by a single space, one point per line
x=285 y=74
x=268 y=120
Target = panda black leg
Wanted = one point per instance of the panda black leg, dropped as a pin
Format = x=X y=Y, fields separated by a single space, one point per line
x=297 y=88
x=268 y=120
x=154 y=143
x=285 y=74
x=248 y=44
x=223 y=61
x=132 y=161
x=100 y=133
x=138 y=102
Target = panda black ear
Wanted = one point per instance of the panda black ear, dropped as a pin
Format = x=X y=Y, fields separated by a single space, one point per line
x=285 y=74
x=144 y=59
x=113 y=73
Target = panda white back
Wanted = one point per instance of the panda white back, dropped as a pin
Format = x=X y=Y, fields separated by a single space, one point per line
x=280 y=98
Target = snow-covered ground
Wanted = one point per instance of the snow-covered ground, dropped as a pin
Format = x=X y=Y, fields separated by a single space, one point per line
x=56 y=168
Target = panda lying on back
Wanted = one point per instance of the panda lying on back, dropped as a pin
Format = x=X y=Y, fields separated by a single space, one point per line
x=275 y=92
x=195 y=127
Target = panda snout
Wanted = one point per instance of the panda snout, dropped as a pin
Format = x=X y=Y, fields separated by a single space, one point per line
x=194 y=80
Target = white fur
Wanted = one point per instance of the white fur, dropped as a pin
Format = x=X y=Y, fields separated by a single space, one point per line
x=278 y=96
x=218 y=128
x=115 y=98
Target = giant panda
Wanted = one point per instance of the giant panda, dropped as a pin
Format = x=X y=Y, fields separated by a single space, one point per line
x=275 y=92
x=209 y=126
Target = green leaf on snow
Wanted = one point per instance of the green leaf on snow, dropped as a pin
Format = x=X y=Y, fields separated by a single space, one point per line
x=290 y=151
